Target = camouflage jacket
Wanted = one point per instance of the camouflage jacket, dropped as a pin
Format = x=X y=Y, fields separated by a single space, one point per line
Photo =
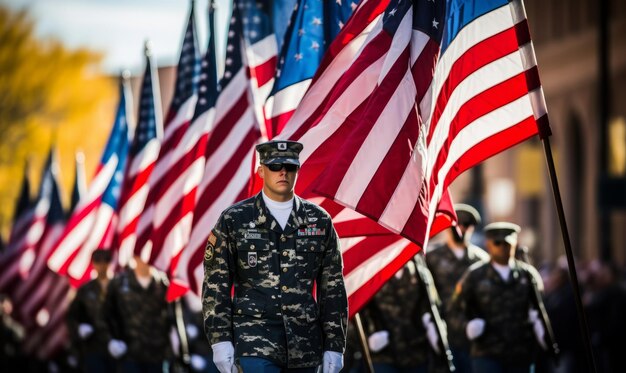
x=504 y=306
x=397 y=308
x=140 y=317
x=88 y=307
x=447 y=270
x=274 y=314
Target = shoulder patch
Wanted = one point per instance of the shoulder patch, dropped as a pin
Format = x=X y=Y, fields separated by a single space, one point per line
x=212 y=239
x=208 y=253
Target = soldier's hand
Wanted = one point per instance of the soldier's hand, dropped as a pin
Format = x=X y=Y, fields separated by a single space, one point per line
x=475 y=328
x=333 y=362
x=224 y=357
x=378 y=340
x=538 y=329
x=431 y=332
x=85 y=330
x=117 y=348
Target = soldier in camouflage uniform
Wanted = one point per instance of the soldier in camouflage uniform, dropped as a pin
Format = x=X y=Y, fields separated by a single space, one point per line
x=272 y=248
x=139 y=318
x=447 y=263
x=393 y=322
x=499 y=301
x=87 y=326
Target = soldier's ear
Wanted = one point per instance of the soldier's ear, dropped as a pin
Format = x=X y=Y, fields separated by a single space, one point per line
x=260 y=171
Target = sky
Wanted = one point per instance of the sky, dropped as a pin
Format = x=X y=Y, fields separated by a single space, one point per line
x=119 y=28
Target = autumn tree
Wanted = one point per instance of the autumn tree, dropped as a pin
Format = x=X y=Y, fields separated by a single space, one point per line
x=49 y=94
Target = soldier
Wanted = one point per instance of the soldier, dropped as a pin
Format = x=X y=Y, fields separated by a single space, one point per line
x=393 y=320
x=499 y=301
x=11 y=337
x=139 y=318
x=447 y=263
x=86 y=323
x=273 y=247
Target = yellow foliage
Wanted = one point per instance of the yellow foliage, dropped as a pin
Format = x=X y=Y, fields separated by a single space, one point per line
x=50 y=96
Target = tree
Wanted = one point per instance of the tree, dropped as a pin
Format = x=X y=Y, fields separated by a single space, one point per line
x=49 y=94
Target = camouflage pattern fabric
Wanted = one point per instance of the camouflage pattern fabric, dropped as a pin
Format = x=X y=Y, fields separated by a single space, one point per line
x=397 y=308
x=140 y=317
x=447 y=270
x=504 y=305
x=273 y=314
x=282 y=151
x=88 y=307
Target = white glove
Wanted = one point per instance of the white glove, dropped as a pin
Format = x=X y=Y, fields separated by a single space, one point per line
x=333 y=362
x=192 y=331
x=197 y=363
x=117 y=348
x=475 y=328
x=85 y=330
x=379 y=340
x=431 y=332
x=224 y=357
x=540 y=331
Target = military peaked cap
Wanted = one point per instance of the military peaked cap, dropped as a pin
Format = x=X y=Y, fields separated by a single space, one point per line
x=279 y=151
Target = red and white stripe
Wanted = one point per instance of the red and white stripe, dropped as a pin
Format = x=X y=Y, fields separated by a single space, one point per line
x=261 y=60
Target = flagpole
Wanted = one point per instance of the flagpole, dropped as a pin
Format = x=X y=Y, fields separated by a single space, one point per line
x=582 y=318
x=367 y=359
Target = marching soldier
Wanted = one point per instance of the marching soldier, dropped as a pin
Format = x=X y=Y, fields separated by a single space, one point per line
x=498 y=300
x=447 y=263
x=86 y=323
x=139 y=318
x=272 y=248
x=394 y=321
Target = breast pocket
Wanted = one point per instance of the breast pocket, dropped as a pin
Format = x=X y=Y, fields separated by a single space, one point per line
x=309 y=252
x=252 y=254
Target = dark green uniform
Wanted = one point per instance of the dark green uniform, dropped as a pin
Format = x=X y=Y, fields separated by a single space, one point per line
x=274 y=314
x=140 y=317
x=398 y=308
x=447 y=270
x=88 y=307
x=504 y=305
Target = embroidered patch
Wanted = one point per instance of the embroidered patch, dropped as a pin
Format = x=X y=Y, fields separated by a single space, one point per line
x=250 y=235
x=212 y=239
x=208 y=253
x=252 y=260
x=311 y=231
x=282 y=146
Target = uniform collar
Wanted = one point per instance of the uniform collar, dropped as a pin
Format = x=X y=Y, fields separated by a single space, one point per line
x=263 y=218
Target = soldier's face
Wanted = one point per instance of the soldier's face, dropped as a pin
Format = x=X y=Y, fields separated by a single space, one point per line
x=278 y=185
x=499 y=250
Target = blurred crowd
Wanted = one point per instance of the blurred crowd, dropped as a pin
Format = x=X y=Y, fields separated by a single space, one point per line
x=453 y=306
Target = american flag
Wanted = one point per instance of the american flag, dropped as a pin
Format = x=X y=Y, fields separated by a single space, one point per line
x=260 y=52
x=228 y=152
x=21 y=214
x=92 y=223
x=314 y=24
x=455 y=87
x=164 y=225
x=79 y=188
x=142 y=156
x=41 y=297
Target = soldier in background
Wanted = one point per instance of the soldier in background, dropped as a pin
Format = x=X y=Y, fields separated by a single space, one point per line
x=498 y=300
x=394 y=322
x=139 y=318
x=11 y=337
x=273 y=247
x=87 y=326
x=447 y=263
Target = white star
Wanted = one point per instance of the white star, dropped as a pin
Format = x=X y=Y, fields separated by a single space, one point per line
x=353 y=5
x=338 y=2
x=316 y=21
x=256 y=19
x=393 y=11
x=227 y=74
x=230 y=48
x=229 y=61
x=340 y=24
x=253 y=34
x=301 y=32
x=298 y=56
x=231 y=34
x=315 y=45
x=435 y=23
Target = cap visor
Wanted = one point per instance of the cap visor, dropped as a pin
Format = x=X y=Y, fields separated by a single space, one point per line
x=282 y=160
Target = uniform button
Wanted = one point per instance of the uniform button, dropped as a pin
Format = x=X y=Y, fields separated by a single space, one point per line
x=284 y=307
x=283 y=238
x=312 y=248
x=285 y=269
x=284 y=253
x=251 y=247
x=239 y=311
x=284 y=288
